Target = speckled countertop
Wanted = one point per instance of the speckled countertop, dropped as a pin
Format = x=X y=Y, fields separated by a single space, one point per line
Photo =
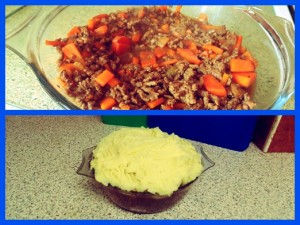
x=43 y=154
x=22 y=87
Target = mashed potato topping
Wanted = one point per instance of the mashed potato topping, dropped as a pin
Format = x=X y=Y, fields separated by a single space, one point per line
x=144 y=159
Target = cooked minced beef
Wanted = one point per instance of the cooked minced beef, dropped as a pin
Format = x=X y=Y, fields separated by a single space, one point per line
x=171 y=77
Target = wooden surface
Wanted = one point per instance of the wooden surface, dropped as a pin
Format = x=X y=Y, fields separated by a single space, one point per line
x=279 y=131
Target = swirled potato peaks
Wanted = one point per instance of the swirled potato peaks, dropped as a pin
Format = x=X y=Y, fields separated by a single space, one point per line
x=145 y=160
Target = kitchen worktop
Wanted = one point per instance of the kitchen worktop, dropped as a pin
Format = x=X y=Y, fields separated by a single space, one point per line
x=43 y=154
x=24 y=91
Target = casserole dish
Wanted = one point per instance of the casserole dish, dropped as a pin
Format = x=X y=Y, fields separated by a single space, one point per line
x=269 y=38
x=139 y=202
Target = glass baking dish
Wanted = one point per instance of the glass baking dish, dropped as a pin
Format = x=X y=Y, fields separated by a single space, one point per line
x=269 y=38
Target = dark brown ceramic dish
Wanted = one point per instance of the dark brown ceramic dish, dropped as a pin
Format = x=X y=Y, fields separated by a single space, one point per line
x=138 y=202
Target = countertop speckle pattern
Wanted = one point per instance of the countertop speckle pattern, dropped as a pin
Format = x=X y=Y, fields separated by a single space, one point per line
x=43 y=154
x=23 y=89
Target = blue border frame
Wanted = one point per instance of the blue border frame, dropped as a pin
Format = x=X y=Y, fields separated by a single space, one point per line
x=154 y=222
x=139 y=112
x=148 y=112
x=2 y=124
x=151 y=2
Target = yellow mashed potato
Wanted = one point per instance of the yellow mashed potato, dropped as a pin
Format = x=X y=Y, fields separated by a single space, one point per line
x=144 y=159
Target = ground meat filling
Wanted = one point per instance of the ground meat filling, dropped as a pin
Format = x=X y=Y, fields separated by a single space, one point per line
x=173 y=77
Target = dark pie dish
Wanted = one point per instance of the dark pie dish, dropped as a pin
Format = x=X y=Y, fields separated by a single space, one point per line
x=139 y=202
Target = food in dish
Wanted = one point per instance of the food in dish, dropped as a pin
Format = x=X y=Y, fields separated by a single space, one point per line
x=145 y=160
x=155 y=58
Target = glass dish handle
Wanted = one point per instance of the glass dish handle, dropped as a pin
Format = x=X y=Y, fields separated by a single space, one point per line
x=84 y=168
x=17 y=39
x=206 y=161
x=283 y=33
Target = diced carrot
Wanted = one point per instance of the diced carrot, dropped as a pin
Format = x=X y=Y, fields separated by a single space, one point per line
x=100 y=17
x=160 y=52
x=125 y=107
x=68 y=67
x=135 y=60
x=224 y=79
x=238 y=43
x=171 y=52
x=121 y=45
x=248 y=55
x=72 y=52
x=155 y=65
x=212 y=55
x=211 y=27
x=64 y=58
x=179 y=105
x=55 y=43
x=75 y=30
x=104 y=77
x=122 y=15
x=165 y=28
x=69 y=41
x=163 y=7
x=190 y=45
x=241 y=65
x=147 y=59
x=168 y=62
x=136 y=36
x=213 y=86
x=107 y=103
x=188 y=55
x=203 y=17
x=245 y=79
x=102 y=30
x=178 y=8
x=155 y=103
x=91 y=24
x=120 y=49
x=141 y=13
x=114 y=82
x=213 y=48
